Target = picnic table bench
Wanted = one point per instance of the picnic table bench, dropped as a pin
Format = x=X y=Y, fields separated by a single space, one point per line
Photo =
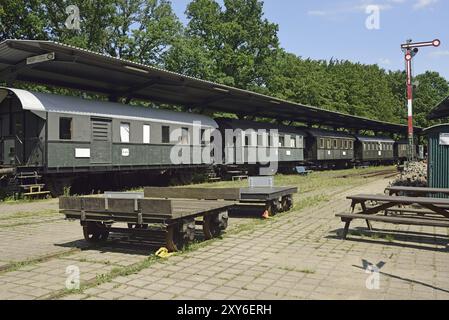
x=415 y=191
x=437 y=207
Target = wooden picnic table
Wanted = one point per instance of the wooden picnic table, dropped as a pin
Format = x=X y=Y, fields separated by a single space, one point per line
x=385 y=203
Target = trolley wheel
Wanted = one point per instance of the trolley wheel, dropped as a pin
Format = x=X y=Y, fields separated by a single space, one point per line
x=273 y=208
x=174 y=241
x=95 y=232
x=287 y=203
x=214 y=225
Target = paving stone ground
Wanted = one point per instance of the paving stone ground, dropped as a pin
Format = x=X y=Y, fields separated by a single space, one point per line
x=298 y=255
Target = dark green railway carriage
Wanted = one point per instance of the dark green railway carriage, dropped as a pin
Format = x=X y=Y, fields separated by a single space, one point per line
x=57 y=134
x=374 y=149
x=248 y=136
x=329 y=146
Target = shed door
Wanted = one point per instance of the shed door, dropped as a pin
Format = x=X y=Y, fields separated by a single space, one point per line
x=101 y=148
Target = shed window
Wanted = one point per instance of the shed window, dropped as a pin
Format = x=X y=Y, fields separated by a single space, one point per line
x=165 y=134
x=65 y=128
x=124 y=132
x=146 y=134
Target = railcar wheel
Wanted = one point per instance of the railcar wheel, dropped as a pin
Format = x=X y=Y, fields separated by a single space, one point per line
x=95 y=232
x=214 y=225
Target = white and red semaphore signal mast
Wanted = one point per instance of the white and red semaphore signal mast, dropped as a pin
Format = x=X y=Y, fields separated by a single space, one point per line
x=410 y=49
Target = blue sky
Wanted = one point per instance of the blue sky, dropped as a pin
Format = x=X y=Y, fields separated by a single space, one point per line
x=324 y=29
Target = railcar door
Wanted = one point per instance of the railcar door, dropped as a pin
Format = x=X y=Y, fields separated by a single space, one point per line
x=101 y=145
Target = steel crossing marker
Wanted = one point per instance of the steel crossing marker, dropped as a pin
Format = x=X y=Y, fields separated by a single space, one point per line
x=411 y=49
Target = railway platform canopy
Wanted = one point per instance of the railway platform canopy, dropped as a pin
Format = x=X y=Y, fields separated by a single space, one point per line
x=59 y=65
x=441 y=111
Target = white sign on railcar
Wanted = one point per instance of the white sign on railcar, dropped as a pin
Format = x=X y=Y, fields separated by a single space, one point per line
x=82 y=153
x=125 y=152
x=444 y=139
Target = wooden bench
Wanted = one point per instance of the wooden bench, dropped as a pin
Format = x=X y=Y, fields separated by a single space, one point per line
x=386 y=204
x=239 y=178
x=302 y=171
x=34 y=190
x=415 y=191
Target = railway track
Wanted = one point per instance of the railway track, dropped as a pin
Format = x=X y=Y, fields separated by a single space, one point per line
x=389 y=173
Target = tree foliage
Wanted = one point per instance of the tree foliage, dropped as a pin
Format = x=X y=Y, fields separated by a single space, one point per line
x=232 y=44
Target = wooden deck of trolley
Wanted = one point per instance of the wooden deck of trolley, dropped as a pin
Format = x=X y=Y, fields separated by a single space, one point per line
x=138 y=211
x=437 y=211
x=275 y=199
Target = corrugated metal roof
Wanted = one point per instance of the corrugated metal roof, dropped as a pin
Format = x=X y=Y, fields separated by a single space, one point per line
x=329 y=134
x=246 y=124
x=45 y=102
x=85 y=70
x=441 y=110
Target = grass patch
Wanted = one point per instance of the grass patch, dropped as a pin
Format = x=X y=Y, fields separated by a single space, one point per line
x=29 y=214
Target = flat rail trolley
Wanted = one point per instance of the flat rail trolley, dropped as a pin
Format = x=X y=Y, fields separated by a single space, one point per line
x=170 y=223
x=271 y=199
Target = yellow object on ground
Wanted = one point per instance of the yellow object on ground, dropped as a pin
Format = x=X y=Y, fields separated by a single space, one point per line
x=266 y=215
x=163 y=253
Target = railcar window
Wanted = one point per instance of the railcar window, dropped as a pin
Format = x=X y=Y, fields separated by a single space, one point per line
x=184 y=136
x=124 y=132
x=351 y=145
x=293 y=143
x=165 y=134
x=281 y=141
x=321 y=143
x=203 y=136
x=65 y=128
x=335 y=143
x=328 y=143
x=146 y=134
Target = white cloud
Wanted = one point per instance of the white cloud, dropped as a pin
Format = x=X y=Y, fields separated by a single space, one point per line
x=439 y=54
x=385 y=61
x=354 y=7
x=422 y=4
